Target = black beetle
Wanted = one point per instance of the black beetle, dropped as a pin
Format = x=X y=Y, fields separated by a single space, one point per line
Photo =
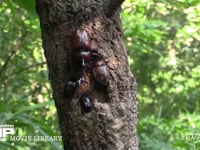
x=69 y=88
x=86 y=104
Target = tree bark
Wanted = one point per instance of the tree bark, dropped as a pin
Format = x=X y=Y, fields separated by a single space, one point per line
x=111 y=124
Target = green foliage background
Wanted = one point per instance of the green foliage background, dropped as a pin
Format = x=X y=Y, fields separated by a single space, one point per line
x=163 y=45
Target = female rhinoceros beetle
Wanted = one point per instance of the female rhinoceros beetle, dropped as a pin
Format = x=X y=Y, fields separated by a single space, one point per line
x=86 y=59
x=86 y=104
x=100 y=72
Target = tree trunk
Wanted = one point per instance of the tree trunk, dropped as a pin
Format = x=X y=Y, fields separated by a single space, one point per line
x=111 y=124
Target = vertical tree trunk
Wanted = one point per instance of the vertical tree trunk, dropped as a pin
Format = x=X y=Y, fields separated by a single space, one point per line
x=111 y=124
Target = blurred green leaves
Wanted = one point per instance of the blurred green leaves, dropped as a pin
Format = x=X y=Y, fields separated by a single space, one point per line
x=162 y=39
x=25 y=99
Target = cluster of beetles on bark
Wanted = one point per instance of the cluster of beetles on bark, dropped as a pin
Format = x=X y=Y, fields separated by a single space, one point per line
x=87 y=60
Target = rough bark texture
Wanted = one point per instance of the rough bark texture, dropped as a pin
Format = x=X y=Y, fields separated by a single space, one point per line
x=111 y=125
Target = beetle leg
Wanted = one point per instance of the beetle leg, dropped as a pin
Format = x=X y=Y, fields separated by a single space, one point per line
x=78 y=82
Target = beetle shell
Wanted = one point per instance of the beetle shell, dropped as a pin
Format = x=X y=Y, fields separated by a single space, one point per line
x=100 y=72
x=85 y=104
x=86 y=55
x=81 y=39
x=69 y=89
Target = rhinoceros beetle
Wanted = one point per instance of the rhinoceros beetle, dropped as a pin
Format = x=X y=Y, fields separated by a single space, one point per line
x=86 y=104
x=86 y=59
x=81 y=39
x=100 y=72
